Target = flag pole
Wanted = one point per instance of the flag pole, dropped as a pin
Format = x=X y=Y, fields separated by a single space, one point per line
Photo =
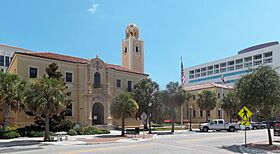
x=183 y=103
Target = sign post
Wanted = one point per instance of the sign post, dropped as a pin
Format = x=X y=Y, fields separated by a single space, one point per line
x=143 y=118
x=245 y=114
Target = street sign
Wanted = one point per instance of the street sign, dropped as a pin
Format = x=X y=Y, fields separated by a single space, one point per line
x=245 y=123
x=143 y=116
x=245 y=113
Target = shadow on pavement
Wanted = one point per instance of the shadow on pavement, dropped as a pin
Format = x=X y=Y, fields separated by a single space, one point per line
x=109 y=136
x=19 y=143
x=163 y=133
x=232 y=148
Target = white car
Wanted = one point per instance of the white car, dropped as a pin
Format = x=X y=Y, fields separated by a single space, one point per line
x=219 y=124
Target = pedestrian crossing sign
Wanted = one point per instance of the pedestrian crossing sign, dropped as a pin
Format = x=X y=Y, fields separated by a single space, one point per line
x=245 y=123
x=245 y=113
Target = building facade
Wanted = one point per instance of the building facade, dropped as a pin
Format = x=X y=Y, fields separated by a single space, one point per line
x=93 y=83
x=192 y=109
x=232 y=68
x=6 y=54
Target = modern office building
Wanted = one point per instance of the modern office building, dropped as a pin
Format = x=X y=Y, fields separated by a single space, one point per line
x=6 y=53
x=232 y=68
x=92 y=82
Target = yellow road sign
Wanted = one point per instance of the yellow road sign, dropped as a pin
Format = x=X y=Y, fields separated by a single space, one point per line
x=245 y=123
x=245 y=113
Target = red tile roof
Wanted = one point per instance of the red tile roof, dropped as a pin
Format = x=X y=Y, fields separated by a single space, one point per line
x=205 y=86
x=55 y=56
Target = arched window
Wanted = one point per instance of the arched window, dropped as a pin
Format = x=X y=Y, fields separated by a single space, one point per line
x=96 y=83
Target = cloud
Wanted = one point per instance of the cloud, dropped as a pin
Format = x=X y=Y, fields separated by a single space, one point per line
x=93 y=8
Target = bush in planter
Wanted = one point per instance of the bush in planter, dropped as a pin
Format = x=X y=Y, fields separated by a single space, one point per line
x=72 y=132
x=10 y=135
x=79 y=131
x=102 y=131
x=37 y=134
x=89 y=130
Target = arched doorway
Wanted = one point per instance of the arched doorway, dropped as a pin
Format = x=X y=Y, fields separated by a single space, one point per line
x=97 y=114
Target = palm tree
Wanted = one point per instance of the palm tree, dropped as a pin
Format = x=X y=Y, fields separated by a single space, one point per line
x=123 y=106
x=207 y=101
x=145 y=94
x=231 y=104
x=11 y=94
x=46 y=97
x=174 y=97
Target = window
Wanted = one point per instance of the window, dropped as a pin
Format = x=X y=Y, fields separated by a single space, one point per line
x=7 y=59
x=68 y=77
x=191 y=72
x=68 y=110
x=257 y=63
x=197 y=70
x=267 y=61
x=203 y=69
x=197 y=75
x=223 y=65
x=208 y=113
x=239 y=66
x=230 y=63
x=201 y=113
x=118 y=83
x=96 y=83
x=209 y=67
x=223 y=70
x=203 y=74
x=230 y=68
x=248 y=59
x=2 y=70
x=258 y=57
x=209 y=72
x=216 y=71
x=216 y=66
x=33 y=72
x=191 y=76
x=220 y=121
x=125 y=50
x=1 y=60
x=238 y=61
x=268 y=54
x=247 y=64
x=129 y=85
x=193 y=97
x=194 y=113
x=136 y=49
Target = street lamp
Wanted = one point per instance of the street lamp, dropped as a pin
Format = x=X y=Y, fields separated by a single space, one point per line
x=149 y=116
x=219 y=113
x=190 y=107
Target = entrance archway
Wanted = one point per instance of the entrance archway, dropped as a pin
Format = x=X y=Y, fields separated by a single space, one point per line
x=97 y=114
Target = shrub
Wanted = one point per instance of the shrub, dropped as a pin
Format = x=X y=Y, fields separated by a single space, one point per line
x=102 y=131
x=9 y=129
x=79 y=131
x=89 y=130
x=72 y=132
x=10 y=135
x=37 y=134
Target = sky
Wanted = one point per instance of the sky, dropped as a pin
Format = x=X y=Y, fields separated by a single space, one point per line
x=198 y=30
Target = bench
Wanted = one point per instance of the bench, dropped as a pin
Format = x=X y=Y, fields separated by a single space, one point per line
x=59 y=136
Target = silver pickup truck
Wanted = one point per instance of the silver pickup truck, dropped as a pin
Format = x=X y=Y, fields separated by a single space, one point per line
x=219 y=124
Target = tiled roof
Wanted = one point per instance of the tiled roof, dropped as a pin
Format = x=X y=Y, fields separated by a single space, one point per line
x=55 y=56
x=205 y=86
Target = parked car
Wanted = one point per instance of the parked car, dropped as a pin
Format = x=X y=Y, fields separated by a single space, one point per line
x=219 y=124
x=242 y=127
x=258 y=125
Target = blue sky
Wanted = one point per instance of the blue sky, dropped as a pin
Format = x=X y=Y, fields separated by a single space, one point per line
x=198 y=30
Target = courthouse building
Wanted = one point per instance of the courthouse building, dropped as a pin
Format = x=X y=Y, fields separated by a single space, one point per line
x=92 y=82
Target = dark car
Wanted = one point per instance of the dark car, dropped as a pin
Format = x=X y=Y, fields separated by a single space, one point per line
x=258 y=125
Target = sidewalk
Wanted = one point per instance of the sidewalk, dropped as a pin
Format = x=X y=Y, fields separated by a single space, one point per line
x=261 y=147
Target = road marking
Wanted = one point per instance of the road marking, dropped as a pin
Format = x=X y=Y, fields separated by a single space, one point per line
x=108 y=148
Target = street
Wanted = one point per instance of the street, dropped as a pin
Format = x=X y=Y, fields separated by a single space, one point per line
x=187 y=142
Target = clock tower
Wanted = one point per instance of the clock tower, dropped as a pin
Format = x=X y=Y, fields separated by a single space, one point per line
x=133 y=49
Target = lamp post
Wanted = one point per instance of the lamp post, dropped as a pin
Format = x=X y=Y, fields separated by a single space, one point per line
x=190 y=107
x=149 y=116
x=219 y=113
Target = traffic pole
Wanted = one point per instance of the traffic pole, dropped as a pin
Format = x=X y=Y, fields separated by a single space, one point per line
x=245 y=138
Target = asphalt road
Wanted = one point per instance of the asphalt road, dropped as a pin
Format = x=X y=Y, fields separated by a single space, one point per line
x=190 y=142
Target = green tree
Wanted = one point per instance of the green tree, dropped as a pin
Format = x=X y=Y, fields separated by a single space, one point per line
x=207 y=101
x=11 y=95
x=123 y=106
x=46 y=97
x=145 y=94
x=231 y=104
x=259 y=90
x=173 y=97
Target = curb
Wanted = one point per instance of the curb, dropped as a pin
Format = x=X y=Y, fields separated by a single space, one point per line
x=242 y=150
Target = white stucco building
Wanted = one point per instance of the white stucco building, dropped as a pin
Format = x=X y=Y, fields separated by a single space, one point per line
x=6 y=54
x=232 y=68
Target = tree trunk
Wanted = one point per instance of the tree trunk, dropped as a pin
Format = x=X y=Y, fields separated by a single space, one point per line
x=206 y=116
x=122 y=124
x=47 y=128
x=6 y=114
x=269 y=133
x=172 y=118
x=230 y=117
